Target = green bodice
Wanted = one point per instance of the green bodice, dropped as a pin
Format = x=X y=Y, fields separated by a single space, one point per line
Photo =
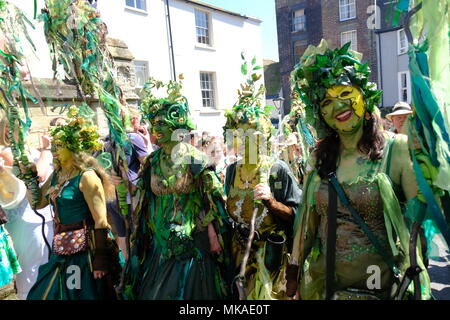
x=71 y=205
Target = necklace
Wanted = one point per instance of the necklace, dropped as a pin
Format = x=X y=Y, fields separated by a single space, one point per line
x=62 y=181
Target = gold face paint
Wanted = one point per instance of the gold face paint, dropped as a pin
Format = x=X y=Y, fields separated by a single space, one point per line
x=343 y=108
x=62 y=155
x=348 y=93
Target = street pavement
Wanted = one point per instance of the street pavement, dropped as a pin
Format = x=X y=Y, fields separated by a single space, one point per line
x=439 y=271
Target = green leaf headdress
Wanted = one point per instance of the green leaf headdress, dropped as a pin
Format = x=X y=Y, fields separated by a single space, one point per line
x=174 y=107
x=248 y=108
x=79 y=135
x=321 y=68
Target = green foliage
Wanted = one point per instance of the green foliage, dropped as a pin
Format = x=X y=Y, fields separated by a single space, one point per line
x=244 y=69
x=248 y=108
x=79 y=135
x=174 y=107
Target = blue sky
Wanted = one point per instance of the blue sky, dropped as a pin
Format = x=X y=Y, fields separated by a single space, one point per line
x=262 y=9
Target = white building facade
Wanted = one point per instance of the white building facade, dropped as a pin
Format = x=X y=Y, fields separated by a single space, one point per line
x=172 y=37
x=394 y=78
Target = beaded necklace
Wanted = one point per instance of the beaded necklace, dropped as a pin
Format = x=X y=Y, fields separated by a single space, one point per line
x=62 y=181
x=248 y=190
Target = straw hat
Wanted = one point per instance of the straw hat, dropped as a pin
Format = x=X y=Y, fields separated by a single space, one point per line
x=399 y=109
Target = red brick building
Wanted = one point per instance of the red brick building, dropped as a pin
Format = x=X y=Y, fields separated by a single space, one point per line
x=304 y=22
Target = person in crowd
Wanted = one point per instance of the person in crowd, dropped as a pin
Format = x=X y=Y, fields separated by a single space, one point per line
x=292 y=155
x=140 y=148
x=214 y=147
x=262 y=186
x=140 y=129
x=398 y=117
x=58 y=121
x=336 y=242
x=178 y=245
x=27 y=229
x=83 y=262
x=9 y=265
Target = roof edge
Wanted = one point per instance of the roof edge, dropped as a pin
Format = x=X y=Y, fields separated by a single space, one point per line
x=210 y=6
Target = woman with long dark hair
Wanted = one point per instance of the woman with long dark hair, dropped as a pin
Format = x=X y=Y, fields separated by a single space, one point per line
x=355 y=250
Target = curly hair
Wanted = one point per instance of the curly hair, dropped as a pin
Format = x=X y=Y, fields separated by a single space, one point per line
x=371 y=144
x=83 y=161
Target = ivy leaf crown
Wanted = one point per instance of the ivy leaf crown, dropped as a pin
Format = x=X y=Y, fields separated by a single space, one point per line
x=174 y=107
x=320 y=68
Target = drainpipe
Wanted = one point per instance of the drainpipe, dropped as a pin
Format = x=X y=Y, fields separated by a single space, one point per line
x=381 y=66
x=169 y=31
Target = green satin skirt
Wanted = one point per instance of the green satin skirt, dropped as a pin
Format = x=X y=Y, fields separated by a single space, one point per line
x=194 y=275
x=70 y=278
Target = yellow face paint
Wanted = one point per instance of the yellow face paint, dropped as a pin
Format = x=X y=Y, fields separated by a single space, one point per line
x=343 y=108
x=348 y=93
x=63 y=155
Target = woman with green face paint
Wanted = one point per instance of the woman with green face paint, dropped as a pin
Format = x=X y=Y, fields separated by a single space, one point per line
x=179 y=247
x=335 y=255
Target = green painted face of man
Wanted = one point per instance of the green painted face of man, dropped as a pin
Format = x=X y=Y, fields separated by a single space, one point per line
x=161 y=130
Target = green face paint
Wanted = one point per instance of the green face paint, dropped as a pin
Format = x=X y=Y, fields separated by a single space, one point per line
x=162 y=131
x=343 y=108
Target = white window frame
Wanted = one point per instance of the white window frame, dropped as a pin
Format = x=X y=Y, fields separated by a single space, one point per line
x=134 y=7
x=345 y=39
x=208 y=28
x=402 y=49
x=212 y=90
x=298 y=22
x=347 y=7
x=141 y=63
x=401 y=89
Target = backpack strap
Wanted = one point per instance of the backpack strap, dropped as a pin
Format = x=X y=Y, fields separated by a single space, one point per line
x=331 y=242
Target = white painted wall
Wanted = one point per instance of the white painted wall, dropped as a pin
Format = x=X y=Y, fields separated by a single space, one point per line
x=147 y=38
x=230 y=36
x=146 y=35
x=391 y=64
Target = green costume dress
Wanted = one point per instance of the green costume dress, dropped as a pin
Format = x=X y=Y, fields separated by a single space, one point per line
x=9 y=264
x=373 y=197
x=261 y=283
x=170 y=257
x=71 y=277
